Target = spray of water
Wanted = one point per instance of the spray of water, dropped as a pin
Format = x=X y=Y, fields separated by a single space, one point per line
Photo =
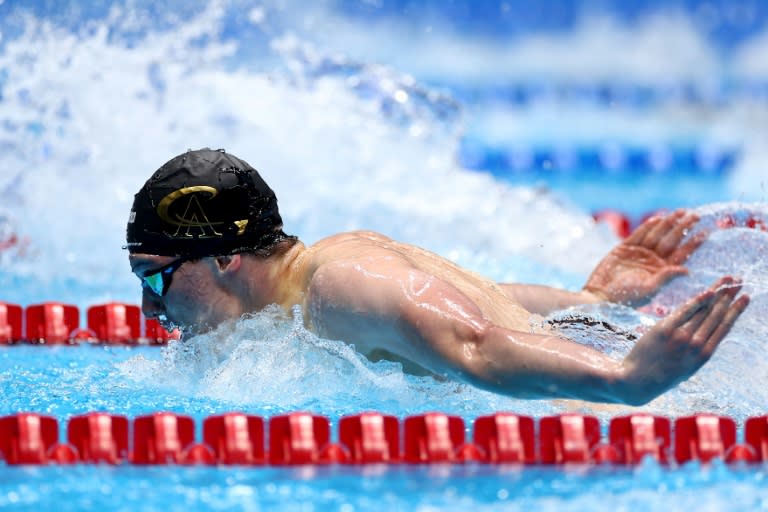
x=89 y=113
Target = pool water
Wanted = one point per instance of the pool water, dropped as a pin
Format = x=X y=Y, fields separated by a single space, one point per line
x=463 y=152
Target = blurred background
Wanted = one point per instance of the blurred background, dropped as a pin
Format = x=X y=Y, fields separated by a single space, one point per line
x=465 y=116
x=491 y=132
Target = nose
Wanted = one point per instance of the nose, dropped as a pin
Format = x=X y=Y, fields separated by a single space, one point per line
x=151 y=304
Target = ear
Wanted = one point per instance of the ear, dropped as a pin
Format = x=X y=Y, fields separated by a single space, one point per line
x=227 y=264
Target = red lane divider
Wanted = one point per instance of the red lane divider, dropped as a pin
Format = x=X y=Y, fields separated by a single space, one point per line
x=433 y=437
x=505 y=438
x=162 y=438
x=10 y=323
x=302 y=438
x=568 y=438
x=235 y=438
x=370 y=437
x=54 y=323
x=30 y=438
x=115 y=323
x=99 y=437
x=617 y=221
x=640 y=435
x=155 y=334
x=707 y=436
x=756 y=437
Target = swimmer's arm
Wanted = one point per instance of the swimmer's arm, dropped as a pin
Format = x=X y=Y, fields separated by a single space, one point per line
x=655 y=253
x=670 y=352
x=430 y=322
x=543 y=300
x=630 y=274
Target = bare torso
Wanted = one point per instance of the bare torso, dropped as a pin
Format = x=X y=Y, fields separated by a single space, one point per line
x=371 y=254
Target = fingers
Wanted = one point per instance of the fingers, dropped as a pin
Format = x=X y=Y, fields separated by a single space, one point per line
x=693 y=313
x=725 y=325
x=705 y=320
x=681 y=254
x=725 y=291
x=670 y=241
x=663 y=226
x=639 y=234
x=690 y=309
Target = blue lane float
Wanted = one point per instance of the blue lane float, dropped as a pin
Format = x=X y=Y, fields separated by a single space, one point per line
x=615 y=94
x=609 y=159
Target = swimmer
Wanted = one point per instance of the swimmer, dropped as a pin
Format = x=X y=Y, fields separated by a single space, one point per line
x=206 y=240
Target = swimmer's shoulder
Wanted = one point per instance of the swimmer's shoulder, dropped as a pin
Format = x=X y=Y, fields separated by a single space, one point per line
x=345 y=244
x=345 y=250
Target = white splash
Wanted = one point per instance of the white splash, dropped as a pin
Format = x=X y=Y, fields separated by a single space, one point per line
x=346 y=143
x=268 y=360
x=82 y=134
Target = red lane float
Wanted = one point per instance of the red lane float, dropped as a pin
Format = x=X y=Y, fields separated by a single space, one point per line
x=115 y=323
x=707 y=436
x=638 y=436
x=505 y=438
x=162 y=438
x=568 y=438
x=303 y=438
x=756 y=437
x=30 y=438
x=617 y=221
x=99 y=437
x=370 y=437
x=51 y=322
x=432 y=437
x=235 y=438
x=55 y=323
x=155 y=334
x=10 y=323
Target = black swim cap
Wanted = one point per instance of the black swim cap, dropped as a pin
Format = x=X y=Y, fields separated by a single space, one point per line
x=204 y=203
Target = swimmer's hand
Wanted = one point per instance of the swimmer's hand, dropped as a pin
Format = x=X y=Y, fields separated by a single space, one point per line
x=681 y=343
x=641 y=264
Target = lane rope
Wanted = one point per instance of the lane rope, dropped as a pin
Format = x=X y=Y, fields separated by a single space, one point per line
x=300 y=438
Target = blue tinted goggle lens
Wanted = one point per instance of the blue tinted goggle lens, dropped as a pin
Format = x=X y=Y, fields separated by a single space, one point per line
x=160 y=280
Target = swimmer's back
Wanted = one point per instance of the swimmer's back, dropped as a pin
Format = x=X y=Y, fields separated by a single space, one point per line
x=379 y=251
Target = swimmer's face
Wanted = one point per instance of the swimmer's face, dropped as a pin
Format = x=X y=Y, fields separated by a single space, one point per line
x=187 y=292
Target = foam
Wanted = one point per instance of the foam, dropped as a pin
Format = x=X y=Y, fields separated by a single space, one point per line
x=346 y=143
x=80 y=132
x=269 y=360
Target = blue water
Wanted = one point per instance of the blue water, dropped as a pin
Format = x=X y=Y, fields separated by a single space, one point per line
x=450 y=125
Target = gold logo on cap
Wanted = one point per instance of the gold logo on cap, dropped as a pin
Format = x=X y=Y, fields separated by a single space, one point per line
x=193 y=219
x=241 y=225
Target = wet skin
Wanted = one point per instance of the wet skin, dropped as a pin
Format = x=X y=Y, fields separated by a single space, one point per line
x=398 y=301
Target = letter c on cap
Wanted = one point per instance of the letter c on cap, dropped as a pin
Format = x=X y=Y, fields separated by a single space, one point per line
x=167 y=201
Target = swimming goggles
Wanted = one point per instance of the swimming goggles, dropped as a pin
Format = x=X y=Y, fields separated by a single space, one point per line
x=158 y=281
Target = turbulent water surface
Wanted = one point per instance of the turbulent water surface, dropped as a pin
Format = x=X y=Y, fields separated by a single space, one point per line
x=356 y=115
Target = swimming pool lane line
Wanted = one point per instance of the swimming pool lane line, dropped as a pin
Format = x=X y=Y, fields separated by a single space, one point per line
x=304 y=438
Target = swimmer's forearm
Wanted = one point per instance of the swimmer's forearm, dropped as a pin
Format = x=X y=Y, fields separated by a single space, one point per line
x=542 y=300
x=534 y=366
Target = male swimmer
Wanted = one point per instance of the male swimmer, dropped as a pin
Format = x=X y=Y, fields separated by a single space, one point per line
x=205 y=237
